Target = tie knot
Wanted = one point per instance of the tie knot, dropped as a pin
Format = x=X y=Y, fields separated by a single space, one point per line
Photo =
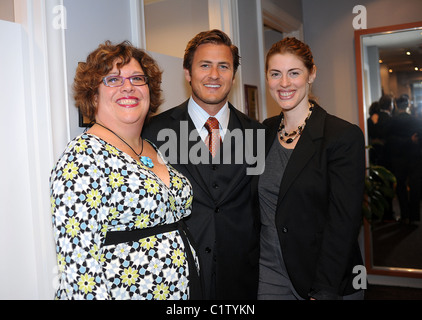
x=212 y=124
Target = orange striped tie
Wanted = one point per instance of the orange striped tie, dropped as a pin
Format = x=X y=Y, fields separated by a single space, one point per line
x=214 y=135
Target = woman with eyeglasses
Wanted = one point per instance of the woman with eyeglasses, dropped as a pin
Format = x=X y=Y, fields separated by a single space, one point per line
x=117 y=207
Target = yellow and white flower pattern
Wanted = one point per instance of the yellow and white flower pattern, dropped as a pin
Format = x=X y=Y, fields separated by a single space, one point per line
x=95 y=189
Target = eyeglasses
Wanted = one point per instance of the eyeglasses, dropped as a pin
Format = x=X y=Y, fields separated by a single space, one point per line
x=118 y=81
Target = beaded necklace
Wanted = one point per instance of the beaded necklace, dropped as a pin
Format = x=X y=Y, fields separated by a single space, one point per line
x=290 y=137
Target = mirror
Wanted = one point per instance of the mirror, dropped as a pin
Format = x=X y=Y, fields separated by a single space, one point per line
x=389 y=62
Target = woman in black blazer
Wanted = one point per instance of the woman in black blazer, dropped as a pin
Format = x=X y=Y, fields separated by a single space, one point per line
x=311 y=191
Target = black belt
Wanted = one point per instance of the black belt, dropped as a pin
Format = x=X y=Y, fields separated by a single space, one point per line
x=116 y=237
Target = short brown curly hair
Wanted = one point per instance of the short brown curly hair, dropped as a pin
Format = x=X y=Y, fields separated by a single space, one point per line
x=214 y=36
x=100 y=62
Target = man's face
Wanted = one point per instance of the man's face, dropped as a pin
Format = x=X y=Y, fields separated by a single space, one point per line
x=212 y=76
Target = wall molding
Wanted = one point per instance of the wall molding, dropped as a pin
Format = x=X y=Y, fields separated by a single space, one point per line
x=137 y=19
x=278 y=19
x=32 y=16
x=224 y=15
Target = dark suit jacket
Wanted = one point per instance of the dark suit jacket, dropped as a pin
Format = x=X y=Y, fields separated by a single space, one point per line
x=319 y=207
x=226 y=230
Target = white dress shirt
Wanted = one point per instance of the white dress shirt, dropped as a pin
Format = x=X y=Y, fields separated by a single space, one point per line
x=199 y=116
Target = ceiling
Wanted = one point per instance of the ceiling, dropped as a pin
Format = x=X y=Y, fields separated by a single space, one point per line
x=393 y=48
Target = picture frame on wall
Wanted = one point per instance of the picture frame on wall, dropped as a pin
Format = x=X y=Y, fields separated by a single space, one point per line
x=84 y=121
x=251 y=101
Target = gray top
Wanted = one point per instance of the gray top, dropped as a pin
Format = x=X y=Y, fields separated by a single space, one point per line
x=274 y=282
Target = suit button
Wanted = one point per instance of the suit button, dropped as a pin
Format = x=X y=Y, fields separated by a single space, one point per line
x=217 y=210
x=215 y=186
x=284 y=230
x=208 y=250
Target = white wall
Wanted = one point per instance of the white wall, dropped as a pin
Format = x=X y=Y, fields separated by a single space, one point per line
x=271 y=37
x=171 y=24
x=281 y=18
x=17 y=279
x=251 y=50
x=169 y=27
x=175 y=88
x=28 y=260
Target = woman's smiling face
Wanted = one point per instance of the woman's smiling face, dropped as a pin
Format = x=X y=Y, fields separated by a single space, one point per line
x=124 y=104
x=289 y=80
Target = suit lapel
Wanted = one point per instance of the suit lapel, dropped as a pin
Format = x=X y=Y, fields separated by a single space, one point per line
x=304 y=150
x=181 y=114
x=241 y=169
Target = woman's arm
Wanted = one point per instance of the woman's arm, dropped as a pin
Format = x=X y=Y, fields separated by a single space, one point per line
x=79 y=187
x=346 y=174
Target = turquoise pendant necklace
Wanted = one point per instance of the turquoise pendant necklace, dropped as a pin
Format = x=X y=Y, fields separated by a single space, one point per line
x=146 y=161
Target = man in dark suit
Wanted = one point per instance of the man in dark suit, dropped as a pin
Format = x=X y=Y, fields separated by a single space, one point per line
x=404 y=145
x=225 y=218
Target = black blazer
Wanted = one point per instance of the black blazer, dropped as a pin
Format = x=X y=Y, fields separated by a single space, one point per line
x=226 y=230
x=319 y=207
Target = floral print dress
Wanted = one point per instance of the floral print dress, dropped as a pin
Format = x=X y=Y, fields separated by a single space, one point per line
x=97 y=189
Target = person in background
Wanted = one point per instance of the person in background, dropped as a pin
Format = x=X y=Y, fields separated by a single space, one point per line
x=385 y=117
x=404 y=145
x=374 y=141
x=225 y=218
x=117 y=208
x=311 y=191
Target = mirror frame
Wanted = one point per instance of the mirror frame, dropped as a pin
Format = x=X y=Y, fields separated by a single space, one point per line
x=370 y=268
